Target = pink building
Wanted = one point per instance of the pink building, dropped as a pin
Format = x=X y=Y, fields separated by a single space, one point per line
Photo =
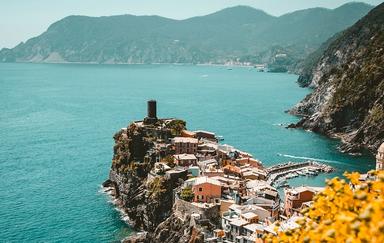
x=206 y=189
x=185 y=145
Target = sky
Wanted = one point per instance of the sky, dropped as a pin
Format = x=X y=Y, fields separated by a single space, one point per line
x=23 y=19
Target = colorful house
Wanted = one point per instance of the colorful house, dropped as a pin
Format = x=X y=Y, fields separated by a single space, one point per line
x=295 y=197
x=185 y=145
x=206 y=189
x=250 y=161
x=185 y=159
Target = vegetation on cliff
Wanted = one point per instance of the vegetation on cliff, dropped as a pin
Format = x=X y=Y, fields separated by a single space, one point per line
x=228 y=35
x=348 y=77
x=343 y=212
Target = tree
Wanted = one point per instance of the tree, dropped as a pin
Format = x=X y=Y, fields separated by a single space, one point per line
x=176 y=126
x=343 y=212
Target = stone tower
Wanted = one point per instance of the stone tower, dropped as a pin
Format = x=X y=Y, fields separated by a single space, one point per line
x=151 y=114
x=380 y=158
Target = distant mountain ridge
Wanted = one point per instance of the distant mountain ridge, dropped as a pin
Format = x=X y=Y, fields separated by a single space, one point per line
x=347 y=74
x=240 y=34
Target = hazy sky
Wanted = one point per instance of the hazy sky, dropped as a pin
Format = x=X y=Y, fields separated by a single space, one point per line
x=23 y=19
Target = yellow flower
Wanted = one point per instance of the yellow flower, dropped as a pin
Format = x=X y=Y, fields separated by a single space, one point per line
x=343 y=212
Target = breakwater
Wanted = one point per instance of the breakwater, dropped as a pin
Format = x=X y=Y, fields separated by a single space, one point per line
x=278 y=174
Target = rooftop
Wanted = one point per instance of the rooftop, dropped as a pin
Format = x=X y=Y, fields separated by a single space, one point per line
x=238 y=222
x=185 y=156
x=202 y=131
x=254 y=227
x=301 y=189
x=204 y=179
x=249 y=215
x=185 y=140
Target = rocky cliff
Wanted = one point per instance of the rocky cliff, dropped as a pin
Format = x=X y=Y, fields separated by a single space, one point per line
x=347 y=75
x=145 y=197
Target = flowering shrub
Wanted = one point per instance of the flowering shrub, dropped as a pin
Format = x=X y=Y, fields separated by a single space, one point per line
x=343 y=212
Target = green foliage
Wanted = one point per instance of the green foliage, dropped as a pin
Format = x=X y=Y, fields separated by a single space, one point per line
x=156 y=187
x=187 y=194
x=225 y=35
x=169 y=160
x=352 y=82
x=176 y=126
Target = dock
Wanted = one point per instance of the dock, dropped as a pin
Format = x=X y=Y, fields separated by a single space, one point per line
x=294 y=169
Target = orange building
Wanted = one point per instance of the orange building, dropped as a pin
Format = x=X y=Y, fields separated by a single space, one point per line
x=206 y=189
x=188 y=134
x=232 y=170
x=250 y=161
x=295 y=197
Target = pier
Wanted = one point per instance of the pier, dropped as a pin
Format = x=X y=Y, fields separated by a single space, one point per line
x=293 y=169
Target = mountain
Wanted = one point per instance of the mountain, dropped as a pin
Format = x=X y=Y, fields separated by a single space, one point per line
x=347 y=75
x=234 y=34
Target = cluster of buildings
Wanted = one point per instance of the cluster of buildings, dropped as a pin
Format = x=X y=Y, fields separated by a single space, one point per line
x=219 y=177
x=235 y=183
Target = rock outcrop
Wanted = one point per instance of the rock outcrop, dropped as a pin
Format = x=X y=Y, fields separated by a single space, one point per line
x=348 y=81
x=145 y=197
x=173 y=229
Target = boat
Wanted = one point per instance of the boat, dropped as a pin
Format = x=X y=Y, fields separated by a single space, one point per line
x=220 y=138
x=300 y=173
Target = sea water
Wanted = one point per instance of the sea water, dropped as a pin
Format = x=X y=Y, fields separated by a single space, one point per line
x=57 y=123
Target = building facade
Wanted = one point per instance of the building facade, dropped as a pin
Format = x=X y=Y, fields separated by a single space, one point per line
x=206 y=190
x=185 y=145
x=380 y=158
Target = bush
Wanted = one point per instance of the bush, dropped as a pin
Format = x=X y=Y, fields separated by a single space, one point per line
x=176 y=126
x=343 y=212
x=187 y=194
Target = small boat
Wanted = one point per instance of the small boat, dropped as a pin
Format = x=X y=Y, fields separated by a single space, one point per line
x=220 y=138
x=300 y=173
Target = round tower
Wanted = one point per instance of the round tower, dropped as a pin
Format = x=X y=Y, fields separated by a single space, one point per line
x=151 y=113
x=152 y=109
x=380 y=158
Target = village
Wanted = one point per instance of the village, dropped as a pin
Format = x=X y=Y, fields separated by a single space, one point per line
x=226 y=191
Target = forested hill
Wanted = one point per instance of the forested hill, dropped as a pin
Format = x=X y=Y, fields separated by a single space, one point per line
x=239 y=33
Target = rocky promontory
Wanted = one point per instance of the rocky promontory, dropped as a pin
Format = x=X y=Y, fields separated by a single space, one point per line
x=348 y=80
x=145 y=197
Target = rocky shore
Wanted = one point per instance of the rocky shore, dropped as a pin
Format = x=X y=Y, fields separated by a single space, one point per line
x=147 y=199
x=347 y=77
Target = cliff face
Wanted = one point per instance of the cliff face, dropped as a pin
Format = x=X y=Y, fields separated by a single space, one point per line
x=147 y=198
x=348 y=81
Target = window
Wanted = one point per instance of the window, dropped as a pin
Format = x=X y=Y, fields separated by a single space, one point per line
x=200 y=189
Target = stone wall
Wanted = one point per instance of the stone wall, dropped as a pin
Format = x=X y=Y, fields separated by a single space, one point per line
x=185 y=208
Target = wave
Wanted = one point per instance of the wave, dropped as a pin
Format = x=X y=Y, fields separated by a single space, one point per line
x=309 y=158
x=115 y=202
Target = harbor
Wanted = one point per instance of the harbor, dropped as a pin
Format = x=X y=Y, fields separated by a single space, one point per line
x=278 y=175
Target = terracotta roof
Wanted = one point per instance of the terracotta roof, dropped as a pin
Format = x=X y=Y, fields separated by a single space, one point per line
x=233 y=168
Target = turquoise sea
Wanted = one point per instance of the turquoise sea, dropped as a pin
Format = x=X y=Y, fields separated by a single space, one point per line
x=57 y=123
